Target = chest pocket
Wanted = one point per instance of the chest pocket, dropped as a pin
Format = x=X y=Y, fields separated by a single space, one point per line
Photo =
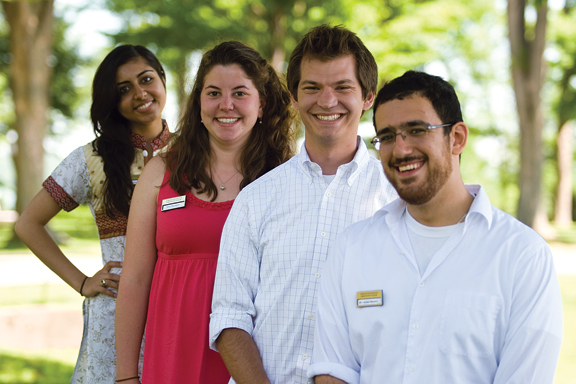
x=468 y=323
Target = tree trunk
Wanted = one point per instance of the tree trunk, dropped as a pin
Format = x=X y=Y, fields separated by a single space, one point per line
x=563 y=213
x=278 y=28
x=527 y=76
x=182 y=73
x=30 y=46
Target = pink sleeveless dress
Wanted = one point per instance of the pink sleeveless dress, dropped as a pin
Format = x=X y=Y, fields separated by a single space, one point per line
x=188 y=240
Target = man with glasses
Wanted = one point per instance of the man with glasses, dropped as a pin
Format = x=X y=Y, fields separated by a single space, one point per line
x=438 y=286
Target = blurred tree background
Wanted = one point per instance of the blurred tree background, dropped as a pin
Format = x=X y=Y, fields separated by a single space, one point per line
x=512 y=63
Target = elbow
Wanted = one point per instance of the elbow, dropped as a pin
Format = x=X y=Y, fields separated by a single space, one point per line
x=19 y=227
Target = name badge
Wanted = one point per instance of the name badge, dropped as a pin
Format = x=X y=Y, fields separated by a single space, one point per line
x=173 y=203
x=369 y=299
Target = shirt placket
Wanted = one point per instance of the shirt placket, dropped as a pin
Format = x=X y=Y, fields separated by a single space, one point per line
x=325 y=231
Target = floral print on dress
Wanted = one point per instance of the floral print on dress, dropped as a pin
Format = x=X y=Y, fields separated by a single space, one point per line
x=97 y=356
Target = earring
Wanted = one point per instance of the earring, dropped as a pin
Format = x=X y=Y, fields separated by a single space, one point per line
x=259 y=120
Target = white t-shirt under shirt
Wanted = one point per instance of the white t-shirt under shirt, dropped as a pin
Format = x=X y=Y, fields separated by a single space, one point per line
x=425 y=240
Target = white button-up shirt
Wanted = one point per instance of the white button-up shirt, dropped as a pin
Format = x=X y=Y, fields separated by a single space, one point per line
x=486 y=310
x=274 y=245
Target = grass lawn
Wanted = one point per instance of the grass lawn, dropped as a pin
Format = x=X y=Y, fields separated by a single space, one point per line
x=16 y=369
x=566 y=372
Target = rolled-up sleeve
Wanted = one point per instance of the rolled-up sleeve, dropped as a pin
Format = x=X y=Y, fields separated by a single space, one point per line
x=237 y=274
x=333 y=354
x=69 y=183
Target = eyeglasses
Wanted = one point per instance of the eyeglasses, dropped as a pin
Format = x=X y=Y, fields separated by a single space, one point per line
x=413 y=134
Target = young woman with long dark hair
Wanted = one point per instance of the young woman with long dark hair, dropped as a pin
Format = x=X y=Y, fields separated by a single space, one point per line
x=128 y=96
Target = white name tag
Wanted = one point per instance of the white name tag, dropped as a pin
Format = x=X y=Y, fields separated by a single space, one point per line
x=173 y=203
x=369 y=299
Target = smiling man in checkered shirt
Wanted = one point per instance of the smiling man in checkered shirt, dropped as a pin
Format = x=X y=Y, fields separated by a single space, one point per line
x=281 y=227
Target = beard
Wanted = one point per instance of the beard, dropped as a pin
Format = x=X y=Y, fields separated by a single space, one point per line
x=418 y=194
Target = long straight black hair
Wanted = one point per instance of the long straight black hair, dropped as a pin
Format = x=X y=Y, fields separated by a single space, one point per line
x=113 y=132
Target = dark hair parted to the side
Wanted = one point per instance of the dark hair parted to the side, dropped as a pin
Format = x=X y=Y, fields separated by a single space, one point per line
x=438 y=91
x=270 y=143
x=113 y=133
x=325 y=43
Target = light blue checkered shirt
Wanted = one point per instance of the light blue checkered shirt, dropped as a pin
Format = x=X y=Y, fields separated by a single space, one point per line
x=273 y=249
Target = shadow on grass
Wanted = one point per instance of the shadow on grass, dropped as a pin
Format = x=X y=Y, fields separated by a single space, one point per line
x=22 y=370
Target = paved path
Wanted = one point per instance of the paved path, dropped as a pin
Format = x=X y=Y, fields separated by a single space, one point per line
x=25 y=269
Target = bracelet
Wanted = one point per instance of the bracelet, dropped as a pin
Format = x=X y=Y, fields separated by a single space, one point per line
x=82 y=286
x=130 y=378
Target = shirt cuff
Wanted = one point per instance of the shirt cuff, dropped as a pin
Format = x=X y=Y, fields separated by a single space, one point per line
x=60 y=196
x=335 y=370
x=220 y=322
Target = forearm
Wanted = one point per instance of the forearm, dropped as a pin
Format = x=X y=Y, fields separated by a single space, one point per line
x=241 y=356
x=36 y=237
x=327 y=379
x=131 y=310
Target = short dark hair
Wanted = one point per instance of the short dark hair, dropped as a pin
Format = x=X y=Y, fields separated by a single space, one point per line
x=325 y=43
x=438 y=91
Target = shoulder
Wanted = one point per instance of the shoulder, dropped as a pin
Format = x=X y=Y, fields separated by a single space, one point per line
x=74 y=162
x=521 y=244
x=505 y=225
x=153 y=173
x=274 y=179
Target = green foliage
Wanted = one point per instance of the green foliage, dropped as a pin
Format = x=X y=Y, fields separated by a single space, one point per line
x=78 y=223
x=65 y=60
x=563 y=68
x=22 y=370
x=71 y=228
x=64 y=95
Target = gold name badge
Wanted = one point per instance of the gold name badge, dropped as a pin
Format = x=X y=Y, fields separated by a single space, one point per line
x=173 y=203
x=369 y=299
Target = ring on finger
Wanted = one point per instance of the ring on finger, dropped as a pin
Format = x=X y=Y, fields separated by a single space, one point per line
x=103 y=282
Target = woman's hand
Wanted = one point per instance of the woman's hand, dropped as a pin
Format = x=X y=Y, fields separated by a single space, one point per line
x=102 y=280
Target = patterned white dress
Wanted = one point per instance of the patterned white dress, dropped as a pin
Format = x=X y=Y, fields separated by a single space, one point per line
x=79 y=179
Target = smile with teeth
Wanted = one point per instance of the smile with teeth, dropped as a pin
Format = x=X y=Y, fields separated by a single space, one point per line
x=144 y=106
x=409 y=167
x=227 y=120
x=328 y=117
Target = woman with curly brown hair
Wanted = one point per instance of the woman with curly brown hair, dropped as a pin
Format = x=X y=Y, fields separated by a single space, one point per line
x=236 y=127
x=128 y=96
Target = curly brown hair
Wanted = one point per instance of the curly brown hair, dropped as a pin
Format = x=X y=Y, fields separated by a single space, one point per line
x=270 y=143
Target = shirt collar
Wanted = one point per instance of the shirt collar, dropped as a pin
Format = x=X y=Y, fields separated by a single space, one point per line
x=480 y=206
x=138 y=141
x=351 y=169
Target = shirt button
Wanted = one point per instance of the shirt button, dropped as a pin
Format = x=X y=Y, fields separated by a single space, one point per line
x=310 y=316
x=422 y=284
x=305 y=356
x=323 y=234
x=317 y=275
x=411 y=368
x=328 y=194
x=416 y=326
